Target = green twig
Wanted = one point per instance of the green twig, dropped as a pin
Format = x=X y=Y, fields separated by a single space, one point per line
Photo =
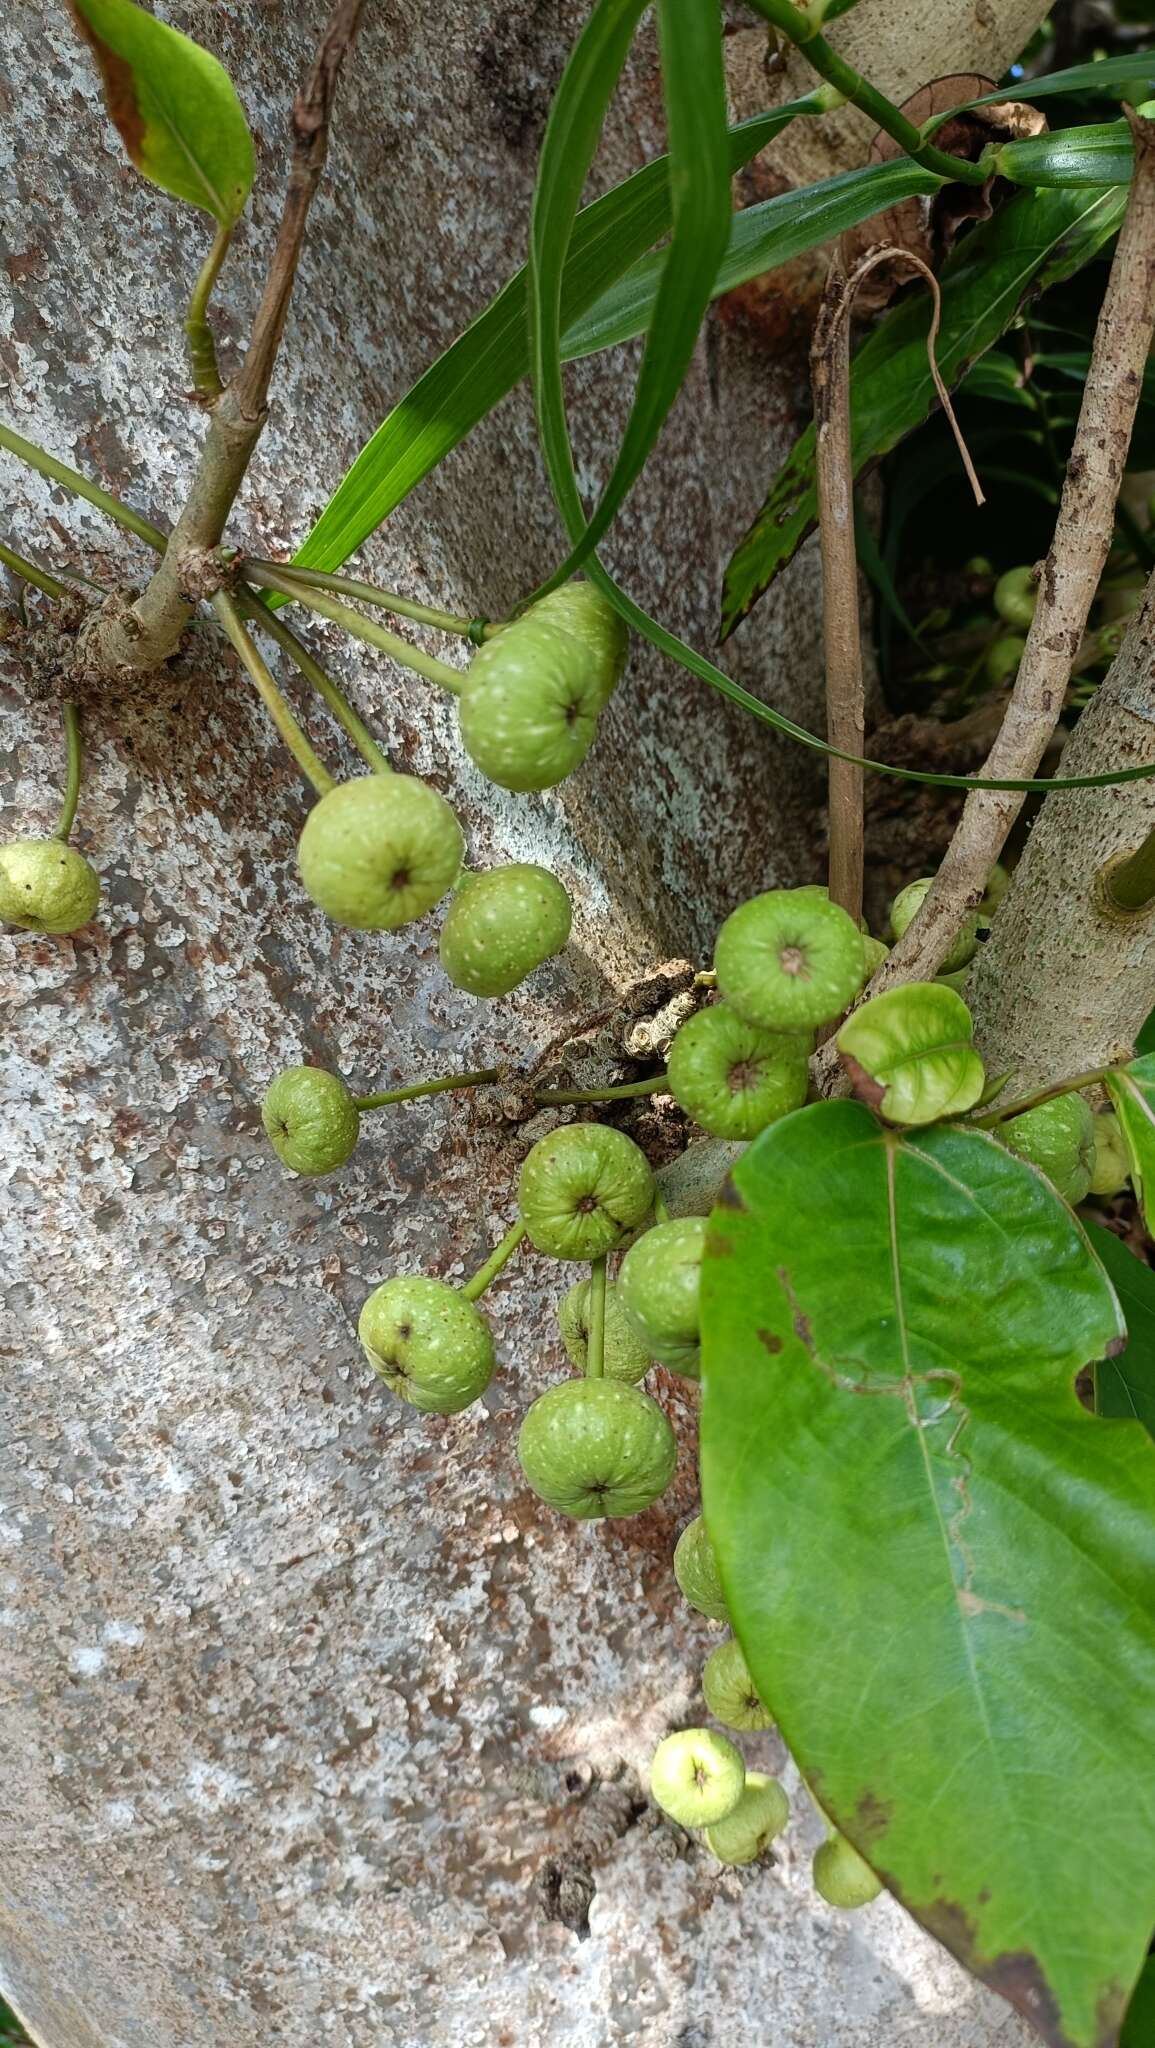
x=362 y=738
x=363 y=629
x=38 y=578
x=198 y=333
x=414 y=1089
x=362 y=593
x=80 y=486
x=596 y=1333
x=499 y=1257
x=1128 y=884
x=654 y=1086
x=270 y=696
x=74 y=748
x=1035 y=1100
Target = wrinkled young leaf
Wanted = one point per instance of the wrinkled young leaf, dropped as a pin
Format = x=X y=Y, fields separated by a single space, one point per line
x=910 y=1054
x=173 y=105
x=938 y=1564
x=1033 y=241
x=1125 y=1385
x=1132 y=1092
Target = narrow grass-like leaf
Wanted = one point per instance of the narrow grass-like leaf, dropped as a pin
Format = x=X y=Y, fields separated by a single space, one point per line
x=1099 y=155
x=1110 y=74
x=174 y=106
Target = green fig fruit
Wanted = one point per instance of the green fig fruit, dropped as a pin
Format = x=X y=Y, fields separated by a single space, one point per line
x=428 y=1344
x=379 y=851
x=501 y=925
x=583 y=1189
x=311 y=1119
x=46 y=886
x=594 y=1448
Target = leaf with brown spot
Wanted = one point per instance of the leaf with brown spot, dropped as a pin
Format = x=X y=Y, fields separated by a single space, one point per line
x=173 y=105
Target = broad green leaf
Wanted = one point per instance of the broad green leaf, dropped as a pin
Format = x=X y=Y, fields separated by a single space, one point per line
x=174 y=106
x=1100 y=155
x=1033 y=241
x=910 y=1054
x=694 y=88
x=484 y=364
x=1125 y=1384
x=1132 y=1092
x=938 y=1564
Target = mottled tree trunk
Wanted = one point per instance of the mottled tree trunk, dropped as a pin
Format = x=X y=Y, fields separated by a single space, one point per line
x=316 y=1726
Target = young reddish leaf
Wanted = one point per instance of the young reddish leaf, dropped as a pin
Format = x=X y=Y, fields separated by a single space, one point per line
x=173 y=105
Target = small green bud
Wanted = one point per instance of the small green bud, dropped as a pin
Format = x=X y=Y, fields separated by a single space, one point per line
x=909 y=902
x=1112 y=1167
x=580 y=609
x=789 y=960
x=625 y=1356
x=529 y=708
x=310 y=1119
x=46 y=886
x=733 y=1078
x=1016 y=595
x=501 y=925
x=841 y=1876
x=594 y=1448
x=379 y=851
x=697 y=1777
x=428 y=1344
x=1003 y=659
x=696 y=1571
x=731 y=1694
x=760 y=1815
x=583 y=1189
x=658 y=1291
x=1059 y=1138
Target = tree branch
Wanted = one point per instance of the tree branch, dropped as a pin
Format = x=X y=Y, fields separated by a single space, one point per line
x=149 y=631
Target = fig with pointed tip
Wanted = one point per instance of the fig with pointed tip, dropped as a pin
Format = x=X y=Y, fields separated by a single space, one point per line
x=580 y=609
x=46 y=886
x=1016 y=596
x=789 y=960
x=583 y=1189
x=733 y=1078
x=1058 y=1137
x=697 y=1777
x=696 y=1571
x=760 y=1815
x=841 y=1876
x=529 y=708
x=428 y=1344
x=501 y=925
x=594 y=1448
x=909 y=902
x=310 y=1119
x=658 y=1291
x=379 y=851
x=1112 y=1168
x=625 y=1357
x=731 y=1694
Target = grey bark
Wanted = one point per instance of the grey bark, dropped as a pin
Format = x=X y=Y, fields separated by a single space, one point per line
x=316 y=1727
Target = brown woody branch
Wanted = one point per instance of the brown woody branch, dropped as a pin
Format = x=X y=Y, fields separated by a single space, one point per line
x=149 y=631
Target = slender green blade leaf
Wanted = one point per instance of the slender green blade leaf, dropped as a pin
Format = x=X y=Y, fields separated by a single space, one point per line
x=1109 y=74
x=174 y=106
x=484 y=364
x=1034 y=240
x=1100 y=155
x=935 y=1559
x=694 y=85
x=1132 y=1092
x=1125 y=1385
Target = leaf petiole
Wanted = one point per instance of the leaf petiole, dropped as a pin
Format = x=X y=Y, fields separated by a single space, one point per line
x=499 y=1257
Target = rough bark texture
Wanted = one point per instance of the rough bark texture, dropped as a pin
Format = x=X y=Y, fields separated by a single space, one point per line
x=317 y=1727
x=1082 y=976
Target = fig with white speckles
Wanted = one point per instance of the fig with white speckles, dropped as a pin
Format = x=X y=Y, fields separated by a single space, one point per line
x=581 y=610
x=501 y=925
x=696 y=1571
x=46 y=886
x=311 y=1120
x=625 y=1355
x=583 y=1189
x=905 y=908
x=733 y=1078
x=789 y=960
x=760 y=1815
x=529 y=707
x=428 y=1343
x=842 y=1877
x=593 y=1448
x=658 y=1290
x=731 y=1694
x=379 y=851
x=697 y=1777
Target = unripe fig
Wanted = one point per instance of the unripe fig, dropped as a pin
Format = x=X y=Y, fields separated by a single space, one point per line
x=1003 y=659
x=873 y=954
x=529 y=708
x=580 y=609
x=593 y=1448
x=501 y=925
x=789 y=960
x=909 y=902
x=379 y=851
x=1058 y=1137
x=428 y=1344
x=625 y=1357
x=696 y=1571
x=46 y=886
x=1016 y=595
x=734 y=1079
x=998 y=882
x=311 y=1119
x=583 y=1189
x=731 y=1694
x=841 y=1877
x=1112 y=1168
x=697 y=1777
x=658 y=1291
x=761 y=1814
